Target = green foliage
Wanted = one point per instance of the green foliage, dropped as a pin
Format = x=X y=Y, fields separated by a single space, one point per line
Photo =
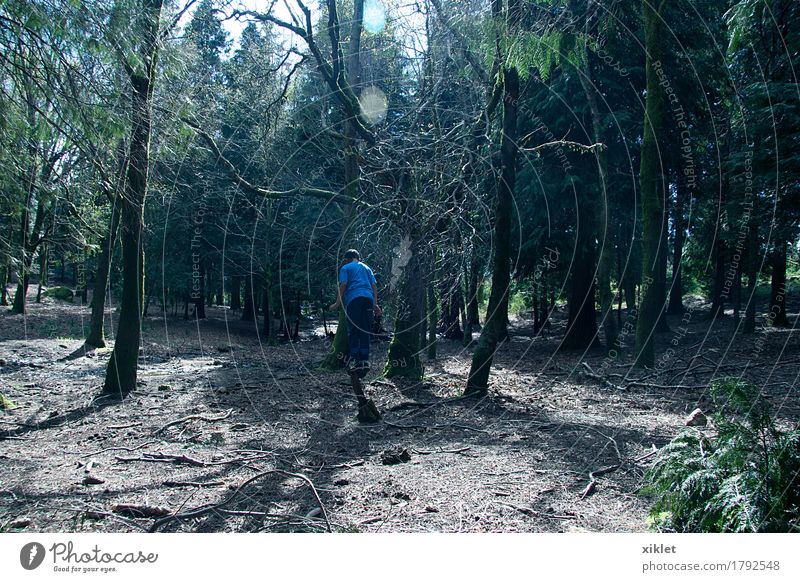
x=745 y=479
x=60 y=293
x=5 y=403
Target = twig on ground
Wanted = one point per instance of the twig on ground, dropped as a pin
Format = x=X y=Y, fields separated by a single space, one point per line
x=434 y=426
x=592 y=486
x=452 y=451
x=601 y=379
x=194 y=417
x=121 y=426
x=534 y=513
x=194 y=513
x=129 y=449
x=193 y=483
x=164 y=458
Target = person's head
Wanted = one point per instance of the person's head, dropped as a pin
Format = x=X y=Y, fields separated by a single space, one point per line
x=351 y=254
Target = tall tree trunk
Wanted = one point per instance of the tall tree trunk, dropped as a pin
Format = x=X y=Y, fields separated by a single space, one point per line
x=777 y=296
x=473 y=317
x=679 y=220
x=582 y=317
x=433 y=318
x=236 y=293
x=661 y=270
x=451 y=298
x=43 y=256
x=248 y=311
x=717 y=297
x=337 y=356
x=267 y=309
x=33 y=152
x=752 y=276
x=602 y=225
x=651 y=186
x=494 y=328
x=122 y=368
x=4 y=285
x=199 y=298
x=403 y=358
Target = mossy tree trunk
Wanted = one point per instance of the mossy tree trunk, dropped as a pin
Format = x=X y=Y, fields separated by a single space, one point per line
x=582 y=316
x=494 y=328
x=403 y=359
x=43 y=256
x=351 y=76
x=4 y=285
x=340 y=346
x=96 y=335
x=602 y=205
x=122 y=368
x=651 y=185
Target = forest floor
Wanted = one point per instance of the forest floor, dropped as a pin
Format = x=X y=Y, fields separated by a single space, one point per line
x=222 y=424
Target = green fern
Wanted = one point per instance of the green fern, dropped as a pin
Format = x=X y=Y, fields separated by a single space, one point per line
x=745 y=479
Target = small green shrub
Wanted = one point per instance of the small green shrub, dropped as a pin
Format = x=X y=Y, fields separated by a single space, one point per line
x=5 y=403
x=744 y=479
x=62 y=293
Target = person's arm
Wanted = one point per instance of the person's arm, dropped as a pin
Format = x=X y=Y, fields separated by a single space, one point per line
x=376 y=309
x=339 y=299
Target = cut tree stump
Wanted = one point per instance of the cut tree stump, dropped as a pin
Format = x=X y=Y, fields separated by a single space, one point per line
x=367 y=411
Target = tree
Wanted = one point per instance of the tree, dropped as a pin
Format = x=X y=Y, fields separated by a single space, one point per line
x=652 y=190
x=122 y=368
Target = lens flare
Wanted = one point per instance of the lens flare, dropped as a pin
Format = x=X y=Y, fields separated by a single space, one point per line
x=373 y=104
x=374 y=16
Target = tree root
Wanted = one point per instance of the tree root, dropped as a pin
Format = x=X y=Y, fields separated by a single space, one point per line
x=200 y=511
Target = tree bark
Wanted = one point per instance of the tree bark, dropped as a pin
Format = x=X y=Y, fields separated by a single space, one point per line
x=494 y=328
x=651 y=186
x=752 y=276
x=236 y=293
x=248 y=311
x=122 y=368
x=602 y=225
x=96 y=336
x=352 y=172
x=43 y=255
x=433 y=318
x=403 y=358
x=777 y=297
x=679 y=220
x=473 y=316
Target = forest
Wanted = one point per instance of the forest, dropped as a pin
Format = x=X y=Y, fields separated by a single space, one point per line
x=583 y=220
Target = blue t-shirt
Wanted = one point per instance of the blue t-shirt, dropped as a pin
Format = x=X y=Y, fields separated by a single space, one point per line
x=359 y=279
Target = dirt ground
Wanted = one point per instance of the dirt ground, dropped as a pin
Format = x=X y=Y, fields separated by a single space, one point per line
x=227 y=433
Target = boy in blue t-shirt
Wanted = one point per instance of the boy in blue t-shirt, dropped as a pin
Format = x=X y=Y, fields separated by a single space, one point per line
x=359 y=293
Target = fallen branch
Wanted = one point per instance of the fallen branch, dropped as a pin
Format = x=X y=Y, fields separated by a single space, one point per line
x=129 y=449
x=534 y=513
x=121 y=426
x=133 y=510
x=200 y=511
x=601 y=379
x=453 y=451
x=193 y=484
x=432 y=426
x=194 y=417
x=592 y=486
x=164 y=458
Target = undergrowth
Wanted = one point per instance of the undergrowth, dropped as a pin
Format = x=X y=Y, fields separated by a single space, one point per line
x=744 y=478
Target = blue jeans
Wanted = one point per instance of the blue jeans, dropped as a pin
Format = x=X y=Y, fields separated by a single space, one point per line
x=359 y=324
